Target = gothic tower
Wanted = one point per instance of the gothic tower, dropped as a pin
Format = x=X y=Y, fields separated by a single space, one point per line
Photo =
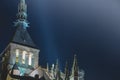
x=21 y=56
x=21 y=50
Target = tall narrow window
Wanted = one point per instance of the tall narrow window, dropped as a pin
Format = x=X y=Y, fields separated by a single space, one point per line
x=17 y=54
x=30 y=59
x=23 y=57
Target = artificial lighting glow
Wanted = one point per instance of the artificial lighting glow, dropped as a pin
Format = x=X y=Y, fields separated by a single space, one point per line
x=17 y=54
x=23 y=57
x=30 y=59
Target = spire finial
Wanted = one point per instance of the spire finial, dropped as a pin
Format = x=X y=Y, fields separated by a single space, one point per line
x=22 y=10
x=23 y=1
x=22 y=15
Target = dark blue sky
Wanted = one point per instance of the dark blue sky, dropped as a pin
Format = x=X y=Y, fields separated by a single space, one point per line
x=62 y=28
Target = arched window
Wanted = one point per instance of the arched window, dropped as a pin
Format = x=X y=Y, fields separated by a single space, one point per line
x=17 y=54
x=23 y=56
x=30 y=59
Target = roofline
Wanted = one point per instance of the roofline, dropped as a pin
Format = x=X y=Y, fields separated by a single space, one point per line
x=25 y=45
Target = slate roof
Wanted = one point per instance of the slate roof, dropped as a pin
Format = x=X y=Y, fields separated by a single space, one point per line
x=21 y=36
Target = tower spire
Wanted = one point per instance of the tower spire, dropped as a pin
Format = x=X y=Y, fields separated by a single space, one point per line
x=22 y=7
x=21 y=35
x=66 y=72
x=75 y=69
x=57 y=66
x=22 y=15
x=74 y=63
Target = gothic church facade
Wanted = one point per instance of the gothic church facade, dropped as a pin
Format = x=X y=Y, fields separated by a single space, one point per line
x=21 y=56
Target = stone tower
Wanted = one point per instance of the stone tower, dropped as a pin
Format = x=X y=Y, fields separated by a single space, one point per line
x=21 y=50
x=21 y=56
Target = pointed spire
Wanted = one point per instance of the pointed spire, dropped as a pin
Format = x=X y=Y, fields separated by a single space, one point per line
x=66 y=72
x=22 y=15
x=57 y=71
x=66 y=68
x=52 y=70
x=57 y=66
x=22 y=4
x=23 y=1
x=75 y=65
x=75 y=62
x=22 y=8
x=21 y=35
x=47 y=67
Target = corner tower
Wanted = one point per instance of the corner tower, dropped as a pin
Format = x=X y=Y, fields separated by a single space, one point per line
x=21 y=50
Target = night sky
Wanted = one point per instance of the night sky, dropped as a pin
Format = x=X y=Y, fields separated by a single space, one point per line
x=62 y=28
